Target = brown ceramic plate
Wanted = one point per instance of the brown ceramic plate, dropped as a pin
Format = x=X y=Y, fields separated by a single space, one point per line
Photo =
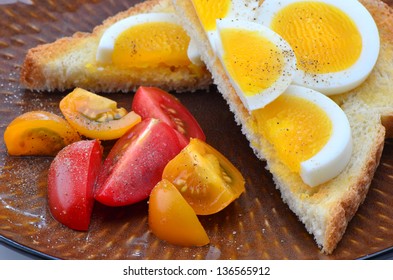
x=256 y=226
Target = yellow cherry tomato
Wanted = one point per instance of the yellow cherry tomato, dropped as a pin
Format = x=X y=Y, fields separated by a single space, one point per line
x=205 y=178
x=95 y=116
x=38 y=133
x=172 y=219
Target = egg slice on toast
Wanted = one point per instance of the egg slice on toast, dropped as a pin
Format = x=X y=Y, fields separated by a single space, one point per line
x=336 y=42
x=144 y=40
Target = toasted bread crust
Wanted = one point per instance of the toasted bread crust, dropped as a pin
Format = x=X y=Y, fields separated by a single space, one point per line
x=334 y=203
x=383 y=16
x=32 y=74
x=344 y=210
x=44 y=66
x=387 y=122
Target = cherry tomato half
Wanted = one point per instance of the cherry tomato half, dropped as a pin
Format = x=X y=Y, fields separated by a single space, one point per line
x=172 y=219
x=151 y=102
x=95 y=116
x=205 y=178
x=38 y=133
x=135 y=163
x=71 y=179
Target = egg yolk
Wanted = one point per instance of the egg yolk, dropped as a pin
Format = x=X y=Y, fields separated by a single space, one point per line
x=209 y=11
x=297 y=128
x=324 y=38
x=253 y=61
x=166 y=44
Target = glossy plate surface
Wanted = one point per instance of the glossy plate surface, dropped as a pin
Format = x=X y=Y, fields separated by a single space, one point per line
x=257 y=226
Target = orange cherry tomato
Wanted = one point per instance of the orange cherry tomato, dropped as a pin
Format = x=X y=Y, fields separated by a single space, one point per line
x=38 y=133
x=172 y=219
x=95 y=116
x=205 y=178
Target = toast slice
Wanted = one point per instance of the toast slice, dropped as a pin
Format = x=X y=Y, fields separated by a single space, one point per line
x=71 y=62
x=327 y=209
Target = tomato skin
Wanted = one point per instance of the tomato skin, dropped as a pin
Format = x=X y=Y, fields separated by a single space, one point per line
x=172 y=219
x=106 y=130
x=151 y=102
x=206 y=179
x=38 y=133
x=71 y=179
x=135 y=163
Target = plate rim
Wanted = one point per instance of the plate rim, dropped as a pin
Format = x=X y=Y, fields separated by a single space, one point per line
x=20 y=247
x=385 y=254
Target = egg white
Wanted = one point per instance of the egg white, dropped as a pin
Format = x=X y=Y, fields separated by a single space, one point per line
x=264 y=97
x=243 y=10
x=342 y=81
x=193 y=53
x=335 y=155
x=107 y=41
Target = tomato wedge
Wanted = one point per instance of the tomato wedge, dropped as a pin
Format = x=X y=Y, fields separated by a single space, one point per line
x=71 y=179
x=151 y=102
x=172 y=219
x=38 y=133
x=95 y=116
x=205 y=178
x=135 y=163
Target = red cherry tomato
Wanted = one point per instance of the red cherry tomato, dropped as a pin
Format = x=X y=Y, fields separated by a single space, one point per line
x=150 y=102
x=135 y=163
x=71 y=179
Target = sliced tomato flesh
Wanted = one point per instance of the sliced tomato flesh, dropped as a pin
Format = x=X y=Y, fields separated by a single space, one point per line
x=95 y=116
x=135 y=163
x=71 y=179
x=151 y=102
x=38 y=133
x=172 y=219
x=206 y=179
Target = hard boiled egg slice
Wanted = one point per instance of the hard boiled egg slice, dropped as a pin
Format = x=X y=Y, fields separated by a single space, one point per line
x=193 y=53
x=258 y=62
x=208 y=11
x=144 y=40
x=310 y=133
x=336 y=42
